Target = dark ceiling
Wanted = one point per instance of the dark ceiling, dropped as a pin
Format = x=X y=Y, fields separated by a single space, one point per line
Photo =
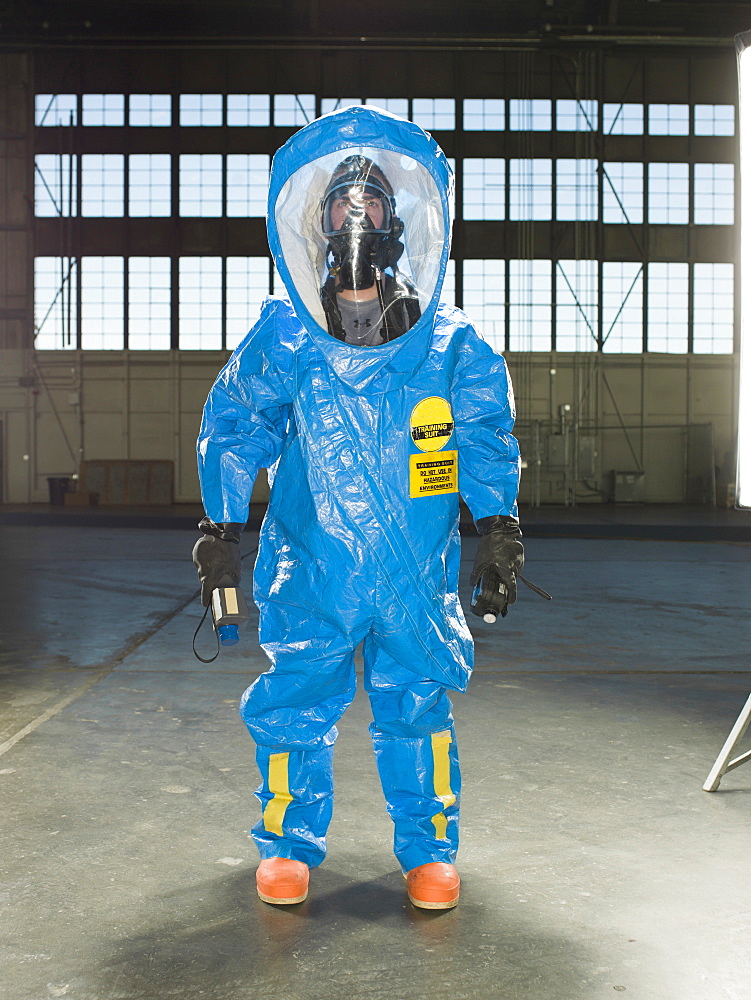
x=40 y=22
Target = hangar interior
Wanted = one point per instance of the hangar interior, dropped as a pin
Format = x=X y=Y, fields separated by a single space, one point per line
x=596 y=244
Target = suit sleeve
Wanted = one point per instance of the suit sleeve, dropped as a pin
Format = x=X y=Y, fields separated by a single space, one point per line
x=484 y=414
x=244 y=424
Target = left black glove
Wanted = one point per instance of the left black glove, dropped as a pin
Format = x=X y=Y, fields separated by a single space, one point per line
x=499 y=560
x=216 y=556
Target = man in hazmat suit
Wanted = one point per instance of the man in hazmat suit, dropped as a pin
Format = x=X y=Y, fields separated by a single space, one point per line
x=373 y=406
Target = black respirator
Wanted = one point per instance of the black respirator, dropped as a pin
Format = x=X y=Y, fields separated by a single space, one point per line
x=357 y=196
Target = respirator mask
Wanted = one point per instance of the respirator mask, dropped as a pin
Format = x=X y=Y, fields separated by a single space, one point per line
x=357 y=218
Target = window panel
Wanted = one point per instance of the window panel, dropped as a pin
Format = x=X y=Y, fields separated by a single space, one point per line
x=103 y=109
x=623 y=119
x=668 y=119
x=294 y=109
x=102 y=312
x=55 y=185
x=576 y=116
x=530 y=313
x=714 y=194
x=577 y=309
x=55 y=303
x=668 y=193
x=667 y=308
x=434 y=112
x=337 y=103
x=714 y=119
x=622 y=307
x=576 y=190
x=247 y=288
x=246 y=110
x=485 y=299
x=484 y=114
x=56 y=109
x=103 y=184
x=149 y=303
x=395 y=105
x=448 y=290
x=247 y=184
x=201 y=184
x=623 y=192
x=200 y=305
x=201 y=109
x=530 y=189
x=530 y=116
x=150 y=110
x=713 y=308
x=484 y=188
x=150 y=184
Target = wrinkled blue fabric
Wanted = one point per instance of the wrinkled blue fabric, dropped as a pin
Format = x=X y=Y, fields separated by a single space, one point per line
x=345 y=554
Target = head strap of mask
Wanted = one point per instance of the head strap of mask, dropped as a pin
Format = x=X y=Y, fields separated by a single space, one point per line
x=376 y=248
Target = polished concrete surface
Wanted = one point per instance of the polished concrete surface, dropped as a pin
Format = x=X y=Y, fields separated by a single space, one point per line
x=593 y=864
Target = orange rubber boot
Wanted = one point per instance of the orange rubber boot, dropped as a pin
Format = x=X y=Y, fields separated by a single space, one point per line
x=282 y=881
x=434 y=886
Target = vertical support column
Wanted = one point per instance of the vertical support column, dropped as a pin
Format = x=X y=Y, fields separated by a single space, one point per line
x=17 y=273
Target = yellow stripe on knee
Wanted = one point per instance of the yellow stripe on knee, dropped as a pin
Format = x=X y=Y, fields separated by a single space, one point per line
x=442 y=779
x=273 y=814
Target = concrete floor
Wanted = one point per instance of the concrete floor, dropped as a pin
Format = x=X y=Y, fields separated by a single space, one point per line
x=592 y=861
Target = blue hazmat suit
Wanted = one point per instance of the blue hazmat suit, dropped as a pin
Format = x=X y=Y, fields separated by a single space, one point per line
x=368 y=450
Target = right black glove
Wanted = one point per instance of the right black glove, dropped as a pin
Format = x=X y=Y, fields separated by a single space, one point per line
x=216 y=556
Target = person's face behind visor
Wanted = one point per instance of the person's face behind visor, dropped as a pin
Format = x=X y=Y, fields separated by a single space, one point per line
x=346 y=208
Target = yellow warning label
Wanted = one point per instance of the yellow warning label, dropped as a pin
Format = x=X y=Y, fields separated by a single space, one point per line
x=431 y=423
x=433 y=474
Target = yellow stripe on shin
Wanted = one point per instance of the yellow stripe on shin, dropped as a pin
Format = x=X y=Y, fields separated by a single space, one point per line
x=273 y=814
x=442 y=780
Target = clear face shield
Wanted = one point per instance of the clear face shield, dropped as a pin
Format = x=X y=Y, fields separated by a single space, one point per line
x=358 y=218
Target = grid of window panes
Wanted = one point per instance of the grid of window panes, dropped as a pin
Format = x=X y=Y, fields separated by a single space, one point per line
x=103 y=184
x=713 y=309
x=667 y=307
x=448 y=289
x=217 y=295
x=623 y=193
x=150 y=110
x=623 y=119
x=103 y=110
x=247 y=110
x=530 y=189
x=530 y=310
x=200 y=303
x=247 y=285
x=102 y=304
x=714 y=194
x=485 y=298
x=55 y=303
x=576 y=116
x=149 y=303
x=641 y=305
x=434 y=113
x=576 y=190
x=667 y=119
x=55 y=185
x=622 y=307
x=668 y=193
x=337 y=103
x=576 y=305
x=149 y=184
x=484 y=114
x=484 y=188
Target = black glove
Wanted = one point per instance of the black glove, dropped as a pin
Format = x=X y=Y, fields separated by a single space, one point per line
x=499 y=560
x=216 y=556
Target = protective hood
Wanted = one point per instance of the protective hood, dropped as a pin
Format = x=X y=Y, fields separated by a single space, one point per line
x=422 y=183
